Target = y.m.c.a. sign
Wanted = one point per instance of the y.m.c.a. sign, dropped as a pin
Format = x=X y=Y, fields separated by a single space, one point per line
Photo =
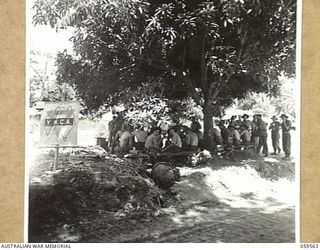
x=59 y=122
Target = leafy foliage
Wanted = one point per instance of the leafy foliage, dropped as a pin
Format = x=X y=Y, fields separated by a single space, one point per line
x=147 y=105
x=268 y=105
x=122 y=43
x=212 y=51
x=43 y=85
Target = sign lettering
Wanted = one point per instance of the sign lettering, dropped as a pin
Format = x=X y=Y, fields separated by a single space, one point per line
x=59 y=122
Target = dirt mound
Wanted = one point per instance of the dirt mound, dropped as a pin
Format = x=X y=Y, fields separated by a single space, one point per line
x=274 y=170
x=84 y=188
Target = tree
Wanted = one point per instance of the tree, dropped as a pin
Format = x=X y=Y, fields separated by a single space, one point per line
x=283 y=102
x=213 y=51
x=42 y=82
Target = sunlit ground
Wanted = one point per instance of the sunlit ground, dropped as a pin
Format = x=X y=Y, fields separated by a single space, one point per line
x=242 y=186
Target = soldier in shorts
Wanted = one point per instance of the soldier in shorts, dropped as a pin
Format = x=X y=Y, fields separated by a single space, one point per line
x=275 y=135
x=286 y=137
x=263 y=136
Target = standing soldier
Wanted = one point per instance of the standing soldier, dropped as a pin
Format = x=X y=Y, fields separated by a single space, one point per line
x=286 y=137
x=233 y=121
x=225 y=134
x=255 y=133
x=235 y=135
x=112 y=133
x=275 y=135
x=247 y=123
x=263 y=136
x=245 y=135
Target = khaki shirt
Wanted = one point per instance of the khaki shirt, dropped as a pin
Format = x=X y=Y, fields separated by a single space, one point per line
x=152 y=141
x=245 y=135
x=236 y=135
x=176 y=140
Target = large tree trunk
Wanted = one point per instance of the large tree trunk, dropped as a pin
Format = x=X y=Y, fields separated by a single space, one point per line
x=208 y=126
x=207 y=107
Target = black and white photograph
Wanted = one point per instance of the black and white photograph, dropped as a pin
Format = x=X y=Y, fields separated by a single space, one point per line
x=168 y=121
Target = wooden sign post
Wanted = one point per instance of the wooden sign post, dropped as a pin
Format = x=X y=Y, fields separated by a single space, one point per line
x=58 y=126
x=56 y=158
x=57 y=152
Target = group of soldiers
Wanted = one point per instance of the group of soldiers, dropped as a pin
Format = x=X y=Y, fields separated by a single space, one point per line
x=124 y=137
x=245 y=132
x=232 y=133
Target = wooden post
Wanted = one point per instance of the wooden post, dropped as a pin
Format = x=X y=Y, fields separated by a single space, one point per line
x=56 y=158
